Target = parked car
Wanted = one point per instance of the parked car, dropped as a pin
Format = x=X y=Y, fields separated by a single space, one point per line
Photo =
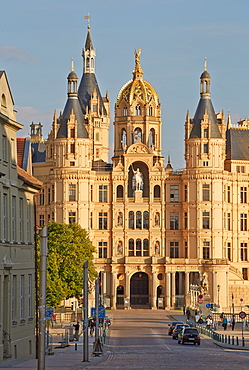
x=172 y=325
x=177 y=330
x=189 y=335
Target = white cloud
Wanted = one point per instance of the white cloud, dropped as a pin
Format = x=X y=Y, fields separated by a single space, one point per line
x=14 y=54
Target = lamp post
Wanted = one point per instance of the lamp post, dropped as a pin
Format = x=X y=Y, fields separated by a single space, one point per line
x=233 y=303
x=218 y=291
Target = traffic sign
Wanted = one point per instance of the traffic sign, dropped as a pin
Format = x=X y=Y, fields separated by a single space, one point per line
x=200 y=301
x=242 y=315
x=200 y=296
x=208 y=305
x=101 y=312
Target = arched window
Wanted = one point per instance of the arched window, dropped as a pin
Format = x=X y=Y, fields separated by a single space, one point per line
x=92 y=63
x=138 y=247
x=131 y=247
x=138 y=220
x=138 y=110
x=125 y=111
x=150 y=111
x=131 y=220
x=146 y=220
x=3 y=101
x=137 y=136
x=87 y=62
x=145 y=247
x=157 y=191
x=152 y=137
x=120 y=191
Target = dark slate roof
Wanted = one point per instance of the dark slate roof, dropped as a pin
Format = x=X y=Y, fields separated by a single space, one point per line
x=237 y=144
x=89 y=44
x=38 y=152
x=87 y=85
x=205 y=105
x=72 y=104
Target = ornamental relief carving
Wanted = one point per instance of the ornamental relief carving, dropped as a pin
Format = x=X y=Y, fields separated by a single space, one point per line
x=138 y=148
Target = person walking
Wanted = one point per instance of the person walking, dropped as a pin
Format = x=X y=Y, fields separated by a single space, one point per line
x=77 y=329
x=224 y=322
x=188 y=313
x=232 y=322
x=184 y=310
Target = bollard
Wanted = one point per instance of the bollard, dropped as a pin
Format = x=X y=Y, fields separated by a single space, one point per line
x=75 y=346
x=233 y=340
x=222 y=338
x=237 y=340
x=225 y=339
x=243 y=342
x=228 y=339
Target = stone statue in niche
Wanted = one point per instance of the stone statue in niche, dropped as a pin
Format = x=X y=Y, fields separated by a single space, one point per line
x=120 y=219
x=204 y=284
x=157 y=248
x=120 y=247
x=157 y=219
x=138 y=178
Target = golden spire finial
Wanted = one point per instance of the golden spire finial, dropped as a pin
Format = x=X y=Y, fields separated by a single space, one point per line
x=72 y=65
x=88 y=22
x=138 y=68
x=205 y=64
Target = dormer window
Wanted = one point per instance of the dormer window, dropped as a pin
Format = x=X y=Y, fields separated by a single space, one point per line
x=138 y=110
x=125 y=111
x=150 y=111
x=205 y=133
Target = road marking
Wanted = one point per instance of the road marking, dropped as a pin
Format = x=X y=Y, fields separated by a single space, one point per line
x=160 y=340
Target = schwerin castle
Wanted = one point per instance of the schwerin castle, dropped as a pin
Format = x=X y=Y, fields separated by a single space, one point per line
x=157 y=231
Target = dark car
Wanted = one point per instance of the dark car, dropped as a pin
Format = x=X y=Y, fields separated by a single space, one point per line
x=177 y=330
x=189 y=335
x=172 y=325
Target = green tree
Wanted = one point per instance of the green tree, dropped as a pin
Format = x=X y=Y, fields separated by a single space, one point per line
x=69 y=247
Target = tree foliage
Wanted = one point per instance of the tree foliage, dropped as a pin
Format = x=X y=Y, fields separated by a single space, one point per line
x=69 y=247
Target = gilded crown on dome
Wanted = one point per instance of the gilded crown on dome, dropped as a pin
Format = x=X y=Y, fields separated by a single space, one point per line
x=137 y=89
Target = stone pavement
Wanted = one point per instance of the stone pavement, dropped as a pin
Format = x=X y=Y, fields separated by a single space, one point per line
x=63 y=358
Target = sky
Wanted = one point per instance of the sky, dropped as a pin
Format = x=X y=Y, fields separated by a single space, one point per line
x=38 y=38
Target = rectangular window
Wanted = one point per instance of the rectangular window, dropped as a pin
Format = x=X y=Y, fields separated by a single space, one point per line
x=131 y=247
x=103 y=193
x=13 y=218
x=174 y=218
x=5 y=217
x=243 y=251
x=174 y=250
x=30 y=312
x=42 y=198
x=229 y=194
x=229 y=252
x=205 y=220
x=240 y=169
x=4 y=148
x=28 y=220
x=52 y=195
x=91 y=220
x=244 y=273
x=102 y=249
x=243 y=222
x=72 y=148
x=206 y=192
x=103 y=220
x=13 y=151
x=185 y=193
x=206 y=250
x=42 y=220
x=72 y=192
x=205 y=148
x=71 y=217
x=205 y=133
x=22 y=297
x=185 y=220
x=174 y=193
x=243 y=194
x=13 y=298
x=229 y=221
x=72 y=133
x=21 y=219
x=205 y=164
x=49 y=195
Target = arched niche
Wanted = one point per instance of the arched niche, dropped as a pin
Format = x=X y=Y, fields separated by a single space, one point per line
x=145 y=174
x=120 y=191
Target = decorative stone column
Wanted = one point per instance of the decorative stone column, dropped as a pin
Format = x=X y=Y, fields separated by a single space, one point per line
x=168 y=290
x=154 y=292
x=186 y=283
x=173 y=289
x=127 y=298
x=114 y=292
x=180 y=283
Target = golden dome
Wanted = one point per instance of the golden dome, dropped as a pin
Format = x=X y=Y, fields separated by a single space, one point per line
x=138 y=89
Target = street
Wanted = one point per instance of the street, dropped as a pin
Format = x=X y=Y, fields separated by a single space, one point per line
x=139 y=340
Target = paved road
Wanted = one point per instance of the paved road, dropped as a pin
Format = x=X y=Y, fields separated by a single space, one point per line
x=139 y=340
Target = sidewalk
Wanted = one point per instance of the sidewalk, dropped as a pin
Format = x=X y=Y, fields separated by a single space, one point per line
x=237 y=332
x=63 y=358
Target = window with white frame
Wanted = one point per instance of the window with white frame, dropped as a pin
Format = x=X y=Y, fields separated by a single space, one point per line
x=174 y=193
x=22 y=297
x=206 y=250
x=13 y=298
x=243 y=194
x=30 y=312
x=28 y=220
x=13 y=218
x=174 y=249
x=21 y=220
x=5 y=217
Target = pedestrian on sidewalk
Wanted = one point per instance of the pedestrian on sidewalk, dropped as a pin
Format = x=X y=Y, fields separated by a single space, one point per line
x=224 y=322
x=184 y=310
x=188 y=313
x=77 y=329
x=232 y=322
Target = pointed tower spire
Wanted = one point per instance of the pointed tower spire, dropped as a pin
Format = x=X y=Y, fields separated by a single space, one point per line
x=229 y=122
x=88 y=53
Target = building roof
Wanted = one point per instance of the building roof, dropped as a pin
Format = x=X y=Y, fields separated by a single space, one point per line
x=237 y=146
x=28 y=179
x=20 y=150
x=38 y=152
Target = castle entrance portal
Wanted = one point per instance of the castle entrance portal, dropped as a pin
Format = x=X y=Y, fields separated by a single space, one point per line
x=139 y=290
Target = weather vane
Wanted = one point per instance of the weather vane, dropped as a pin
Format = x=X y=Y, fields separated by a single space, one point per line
x=88 y=17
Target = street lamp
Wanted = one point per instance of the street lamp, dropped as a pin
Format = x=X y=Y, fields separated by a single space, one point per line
x=218 y=291
x=233 y=303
